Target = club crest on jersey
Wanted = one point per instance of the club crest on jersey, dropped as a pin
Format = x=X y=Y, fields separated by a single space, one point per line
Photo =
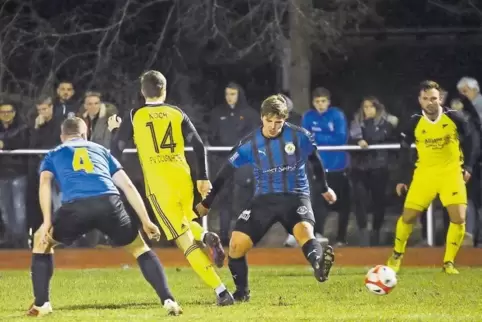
x=302 y=210
x=290 y=148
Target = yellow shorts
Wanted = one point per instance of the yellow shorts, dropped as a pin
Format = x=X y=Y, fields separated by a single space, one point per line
x=425 y=186
x=173 y=206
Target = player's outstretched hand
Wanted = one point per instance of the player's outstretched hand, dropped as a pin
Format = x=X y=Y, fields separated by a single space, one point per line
x=113 y=122
x=201 y=210
x=204 y=187
x=467 y=176
x=401 y=189
x=330 y=196
x=152 y=230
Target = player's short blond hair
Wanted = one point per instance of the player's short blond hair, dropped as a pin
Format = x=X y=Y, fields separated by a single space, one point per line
x=73 y=126
x=275 y=105
x=153 y=84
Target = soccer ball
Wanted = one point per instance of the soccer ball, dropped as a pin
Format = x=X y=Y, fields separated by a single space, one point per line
x=381 y=280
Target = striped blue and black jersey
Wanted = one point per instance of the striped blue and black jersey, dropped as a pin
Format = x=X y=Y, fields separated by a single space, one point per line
x=279 y=163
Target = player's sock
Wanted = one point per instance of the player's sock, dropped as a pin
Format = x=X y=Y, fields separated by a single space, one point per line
x=153 y=272
x=239 y=271
x=202 y=265
x=403 y=232
x=42 y=270
x=197 y=231
x=455 y=236
x=312 y=248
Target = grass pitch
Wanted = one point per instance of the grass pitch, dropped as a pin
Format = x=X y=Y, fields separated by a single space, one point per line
x=278 y=294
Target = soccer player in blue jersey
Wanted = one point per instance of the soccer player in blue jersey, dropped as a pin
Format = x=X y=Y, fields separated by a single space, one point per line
x=88 y=175
x=278 y=152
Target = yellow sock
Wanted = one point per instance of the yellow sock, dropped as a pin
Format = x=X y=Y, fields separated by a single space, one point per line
x=403 y=232
x=455 y=237
x=197 y=230
x=202 y=266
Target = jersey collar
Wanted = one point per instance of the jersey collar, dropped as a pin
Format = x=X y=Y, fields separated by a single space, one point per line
x=440 y=113
x=155 y=103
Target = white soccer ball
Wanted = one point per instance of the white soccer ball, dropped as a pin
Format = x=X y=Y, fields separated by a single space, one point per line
x=381 y=280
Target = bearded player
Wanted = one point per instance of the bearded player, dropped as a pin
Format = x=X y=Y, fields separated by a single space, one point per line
x=159 y=131
x=447 y=147
x=279 y=152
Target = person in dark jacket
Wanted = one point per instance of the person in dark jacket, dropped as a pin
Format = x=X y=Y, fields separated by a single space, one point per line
x=13 y=175
x=229 y=123
x=369 y=169
x=64 y=105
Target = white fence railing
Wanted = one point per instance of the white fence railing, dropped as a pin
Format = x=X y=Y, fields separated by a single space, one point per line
x=430 y=228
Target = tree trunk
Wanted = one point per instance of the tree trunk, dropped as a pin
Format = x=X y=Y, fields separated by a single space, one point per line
x=300 y=68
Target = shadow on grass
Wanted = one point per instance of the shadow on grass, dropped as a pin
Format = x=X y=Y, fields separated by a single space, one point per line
x=100 y=306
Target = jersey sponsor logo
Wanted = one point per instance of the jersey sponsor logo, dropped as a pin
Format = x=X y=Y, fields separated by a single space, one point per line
x=245 y=215
x=234 y=157
x=286 y=168
x=316 y=128
x=331 y=126
x=290 y=148
x=438 y=143
x=302 y=210
x=158 y=115
x=157 y=159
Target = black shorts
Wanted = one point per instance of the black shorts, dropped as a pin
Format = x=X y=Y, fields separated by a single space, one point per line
x=105 y=213
x=266 y=210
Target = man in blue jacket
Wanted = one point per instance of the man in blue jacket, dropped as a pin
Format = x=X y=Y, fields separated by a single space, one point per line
x=329 y=127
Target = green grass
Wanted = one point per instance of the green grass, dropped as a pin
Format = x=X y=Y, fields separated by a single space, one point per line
x=278 y=294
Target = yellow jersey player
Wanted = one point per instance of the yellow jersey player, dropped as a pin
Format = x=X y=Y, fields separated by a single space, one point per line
x=159 y=131
x=447 y=148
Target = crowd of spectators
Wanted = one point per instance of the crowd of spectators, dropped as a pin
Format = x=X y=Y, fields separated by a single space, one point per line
x=359 y=178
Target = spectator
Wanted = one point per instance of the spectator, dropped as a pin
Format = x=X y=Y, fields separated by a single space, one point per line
x=44 y=134
x=64 y=105
x=13 y=179
x=95 y=116
x=329 y=128
x=229 y=123
x=371 y=125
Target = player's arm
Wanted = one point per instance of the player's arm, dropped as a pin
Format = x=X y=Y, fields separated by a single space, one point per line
x=407 y=138
x=237 y=158
x=46 y=171
x=45 y=196
x=310 y=153
x=188 y=130
x=469 y=138
x=124 y=183
x=122 y=133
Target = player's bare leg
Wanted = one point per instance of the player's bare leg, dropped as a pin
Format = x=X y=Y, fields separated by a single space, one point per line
x=41 y=272
x=210 y=239
x=455 y=236
x=403 y=232
x=239 y=245
x=153 y=272
x=320 y=259
x=203 y=267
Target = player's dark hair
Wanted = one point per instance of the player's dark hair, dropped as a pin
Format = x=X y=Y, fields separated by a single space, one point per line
x=321 y=92
x=275 y=105
x=73 y=126
x=153 y=83
x=428 y=85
